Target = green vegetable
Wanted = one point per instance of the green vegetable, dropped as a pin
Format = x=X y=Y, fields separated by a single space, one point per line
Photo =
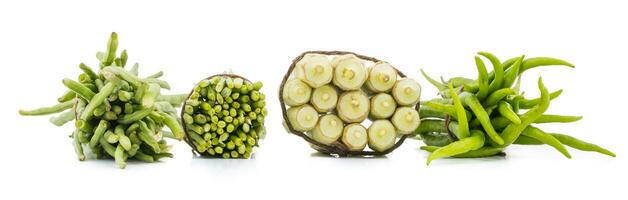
x=463 y=124
x=117 y=115
x=349 y=72
x=328 y=130
x=478 y=153
x=353 y=107
x=324 y=98
x=506 y=110
x=545 y=138
x=406 y=120
x=498 y=111
x=382 y=77
x=315 y=70
x=381 y=135
x=383 y=106
x=49 y=110
x=498 y=70
x=476 y=107
x=225 y=114
x=474 y=142
x=295 y=92
x=303 y=118
x=362 y=88
x=355 y=137
x=407 y=92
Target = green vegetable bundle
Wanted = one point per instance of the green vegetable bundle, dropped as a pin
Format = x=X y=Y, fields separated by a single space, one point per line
x=117 y=114
x=481 y=117
x=224 y=116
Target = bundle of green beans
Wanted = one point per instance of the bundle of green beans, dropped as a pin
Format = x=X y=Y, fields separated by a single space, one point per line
x=224 y=116
x=117 y=114
x=481 y=117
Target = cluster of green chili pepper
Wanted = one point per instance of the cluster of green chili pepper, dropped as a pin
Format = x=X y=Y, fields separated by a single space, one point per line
x=117 y=114
x=481 y=117
x=224 y=117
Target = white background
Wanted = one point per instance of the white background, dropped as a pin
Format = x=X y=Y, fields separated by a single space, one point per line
x=42 y=42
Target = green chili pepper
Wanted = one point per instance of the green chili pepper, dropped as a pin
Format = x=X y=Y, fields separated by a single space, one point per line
x=581 y=145
x=497 y=69
x=527 y=140
x=512 y=131
x=505 y=109
x=472 y=102
x=445 y=108
x=478 y=153
x=505 y=65
x=566 y=140
x=463 y=126
x=429 y=112
x=548 y=139
x=432 y=125
x=436 y=84
x=557 y=118
x=461 y=81
x=511 y=73
x=502 y=122
x=543 y=61
x=497 y=96
x=475 y=141
x=501 y=96
x=529 y=103
x=482 y=79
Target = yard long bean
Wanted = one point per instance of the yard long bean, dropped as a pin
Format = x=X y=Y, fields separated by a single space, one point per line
x=117 y=115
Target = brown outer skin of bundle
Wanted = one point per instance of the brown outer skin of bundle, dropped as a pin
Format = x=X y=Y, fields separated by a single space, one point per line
x=186 y=138
x=337 y=148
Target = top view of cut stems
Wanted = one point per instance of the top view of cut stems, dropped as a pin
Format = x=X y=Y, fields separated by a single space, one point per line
x=331 y=93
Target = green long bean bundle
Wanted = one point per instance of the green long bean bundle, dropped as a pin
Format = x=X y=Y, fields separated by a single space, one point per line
x=117 y=114
x=224 y=116
x=481 y=117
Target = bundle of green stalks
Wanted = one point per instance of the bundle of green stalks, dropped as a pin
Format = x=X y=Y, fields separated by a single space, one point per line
x=342 y=103
x=224 y=116
x=116 y=113
x=482 y=117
